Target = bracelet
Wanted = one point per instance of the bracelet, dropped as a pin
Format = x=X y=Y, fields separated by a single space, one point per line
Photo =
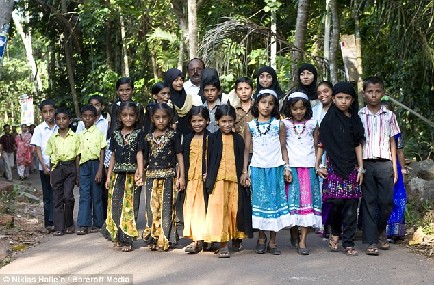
x=244 y=172
x=287 y=167
x=361 y=170
x=322 y=166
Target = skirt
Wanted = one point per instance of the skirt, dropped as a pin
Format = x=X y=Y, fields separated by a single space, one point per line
x=270 y=210
x=194 y=210
x=396 y=224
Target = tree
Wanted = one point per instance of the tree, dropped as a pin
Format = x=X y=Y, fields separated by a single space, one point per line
x=6 y=7
x=334 y=42
x=300 y=33
x=192 y=28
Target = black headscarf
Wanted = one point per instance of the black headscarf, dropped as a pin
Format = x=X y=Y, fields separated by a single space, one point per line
x=274 y=85
x=340 y=134
x=209 y=76
x=177 y=97
x=309 y=90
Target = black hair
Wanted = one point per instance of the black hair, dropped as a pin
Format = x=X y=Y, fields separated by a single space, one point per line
x=196 y=58
x=289 y=102
x=162 y=106
x=89 y=108
x=157 y=87
x=225 y=110
x=63 y=110
x=327 y=83
x=47 y=102
x=6 y=125
x=98 y=98
x=125 y=105
x=372 y=80
x=124 y=80
x=198 y=110
x=243 y=80
x=214 y=81
x=274 y=112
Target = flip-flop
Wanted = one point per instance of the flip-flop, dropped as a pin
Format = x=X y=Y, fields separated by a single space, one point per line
x=333 y=244
x=372 y=250
x=351 y=251
x=223 y=252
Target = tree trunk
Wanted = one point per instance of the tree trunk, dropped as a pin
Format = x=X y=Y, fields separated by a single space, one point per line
x=51 y=63
x=69 y=62
x=300 y=34
x=6 y=8
x=327 y=21
x=273 y=43
x=334 y=41
x=108 y=40
x=27 y=41
x=124 y=46
x=358 y=52
x=178 y=8
x=192 y=28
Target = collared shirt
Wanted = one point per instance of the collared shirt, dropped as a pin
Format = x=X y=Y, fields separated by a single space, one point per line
x=379 y=128
x=62 y=148
x=193 y=90
x=101 y=124
x=92 y=141
x=40 y=138
x=8 y=142
x=212 y=126
x=242 y=118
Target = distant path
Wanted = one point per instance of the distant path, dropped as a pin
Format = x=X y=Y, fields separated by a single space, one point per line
x=91 y=254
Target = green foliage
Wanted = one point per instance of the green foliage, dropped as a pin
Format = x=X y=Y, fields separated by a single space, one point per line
x=7 y=200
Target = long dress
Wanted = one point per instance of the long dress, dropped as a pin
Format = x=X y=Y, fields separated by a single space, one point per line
x=24 y=153
x=160 y=215
x=194 y=203
x=120 y=224
x=396 y=224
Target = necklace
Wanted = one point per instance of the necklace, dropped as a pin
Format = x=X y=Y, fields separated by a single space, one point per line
x=158 y=140
x=266 y=130
x=302 y=131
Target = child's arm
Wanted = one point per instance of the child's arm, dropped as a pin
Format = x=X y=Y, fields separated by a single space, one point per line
x=77 y=167
x=282 y=138
x=393 y=153
x=138 y=177
x=315 y=138
x=401 y=160
x=245 y=180
x=45 y=167
x=181 y=180
x=110 y=170
x=98 y=176
x=360 y=170
x=322 y=172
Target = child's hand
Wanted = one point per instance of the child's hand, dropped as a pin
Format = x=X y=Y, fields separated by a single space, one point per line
x=46 y=169
x=180 y=184
x=288 y=176
x=98 y=176
x=138 y=178
x=395 y=177
x=107 y=183
x=245 y=180
x=322 y=172
x=359 y=178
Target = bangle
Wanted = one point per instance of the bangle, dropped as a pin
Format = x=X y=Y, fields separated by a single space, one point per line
x=244 y=172
x=361 y=170
x=322 y=166
x=287 y=167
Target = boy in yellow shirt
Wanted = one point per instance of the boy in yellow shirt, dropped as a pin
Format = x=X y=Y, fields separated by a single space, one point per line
x=62 y=148
x=92 y=148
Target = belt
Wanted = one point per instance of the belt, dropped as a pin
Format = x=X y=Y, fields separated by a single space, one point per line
x=68 y=162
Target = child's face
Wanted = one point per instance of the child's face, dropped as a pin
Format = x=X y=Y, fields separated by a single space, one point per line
x=63 y=121
x=266 y=105
x=373 y=94
x=98 y=106
x=88 y=118
x=125 y=92
x=198 y=123
x=298 y=111
x=343 y=101
x=178 y=84
x=128 y=117
x=265 y=79
x=161 y=119
x=226 y=124
x=244 y=91
x=24 y=128
x=7 y=130
x=48 y=113
x=163 y=96
x=307 y=77
x=211 y=93
x=324 y=94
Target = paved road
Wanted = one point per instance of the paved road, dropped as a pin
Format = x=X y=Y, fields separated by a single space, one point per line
x=71 y=256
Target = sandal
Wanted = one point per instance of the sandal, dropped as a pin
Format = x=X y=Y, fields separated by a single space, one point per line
x=303 y=251
x=70 y=230
x=127 y=248
x=237 y=245
x=351 y=251
x=194 y=247
x=333 y=244
x=82 y=231
x=223 y=252
x=261 y=247
x=273 y=249
x=372 y=250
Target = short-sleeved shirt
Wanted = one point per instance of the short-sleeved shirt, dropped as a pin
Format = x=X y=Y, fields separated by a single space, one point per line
x=125 y=150
x=92 y=141
x=212 y=126
x=101 y=124
x=300 y=142
x=40 y=138
x=62 y=148
x=8 y=142
x=160 y=154
x=379 y=128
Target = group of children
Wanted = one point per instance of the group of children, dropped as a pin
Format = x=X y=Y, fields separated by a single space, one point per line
x=246 y=165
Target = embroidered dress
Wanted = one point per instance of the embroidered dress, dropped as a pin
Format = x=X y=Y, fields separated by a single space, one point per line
x=120 y=224
x=269 y=205
x=160 y=154
x=194 y=203
x=24 y=153
x=304 y=194
x=396 y=224
x=335 y=186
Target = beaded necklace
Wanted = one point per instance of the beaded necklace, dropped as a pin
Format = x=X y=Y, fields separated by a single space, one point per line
x=266 y=130
x=295 y=129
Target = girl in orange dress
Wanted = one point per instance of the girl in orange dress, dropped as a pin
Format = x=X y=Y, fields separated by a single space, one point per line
x=24 y=152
